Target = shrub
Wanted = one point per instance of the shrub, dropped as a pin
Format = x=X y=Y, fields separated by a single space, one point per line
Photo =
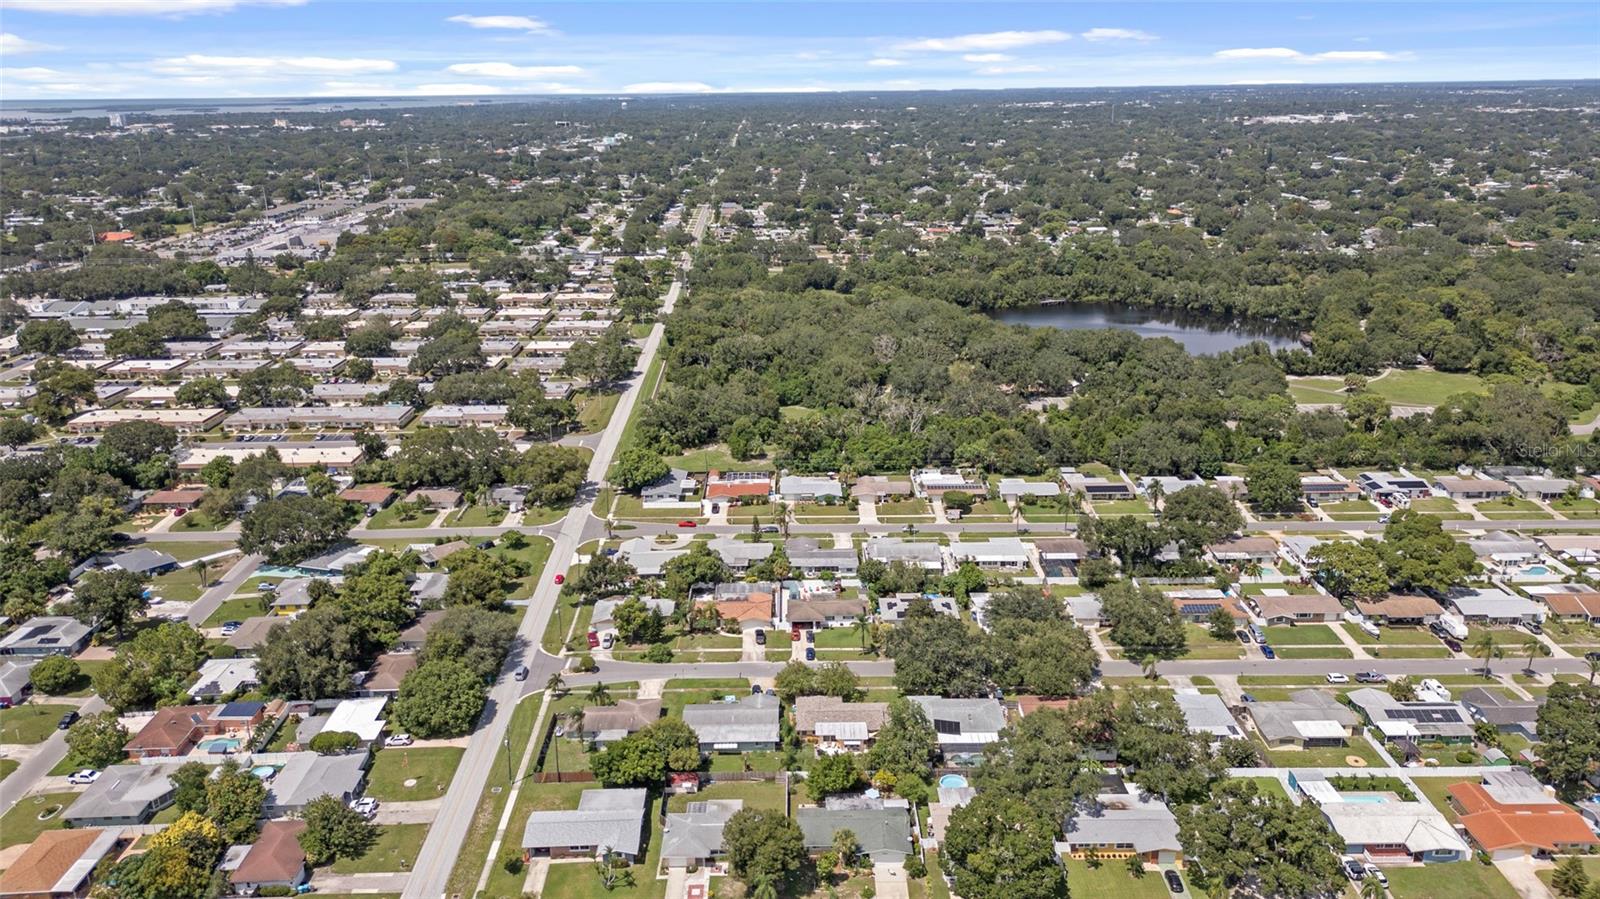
x=915 y=868
x=586 y=663
x=1466 y=757
x=333 y=742
x=658 y=654
x=512 y=863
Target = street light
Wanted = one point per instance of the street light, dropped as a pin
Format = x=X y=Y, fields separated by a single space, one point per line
x=509 y=776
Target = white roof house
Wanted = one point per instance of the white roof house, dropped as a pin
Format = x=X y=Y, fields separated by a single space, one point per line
x=1000 y=552
x=222 y=677
x=1015 y=488
x=362 y=717
x=1496 y=605
x=1416 y=826
x=1206 y=713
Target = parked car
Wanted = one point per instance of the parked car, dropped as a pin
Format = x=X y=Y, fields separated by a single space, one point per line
x=1532 y=627
x=594 y=639
x=1246 y=697
x=1312 y=502
x=1370 y=677
x=761 y=637
x=1243 y=637
x=1592 y=656
x=1353 y=869
x=561 y=579
x=1375 y=871
x=1370 y=628
x=84 y=777
x=1335 y=677
x=397 y=740
x=267 y=586
x=1174 y=882
x=1266 y=652
x=608 y=641
x=1453 y=644
x=67 y=720
x=769 y=529
x=811 y=653
x=686 y=523
x=229 y=628
x=366 y=806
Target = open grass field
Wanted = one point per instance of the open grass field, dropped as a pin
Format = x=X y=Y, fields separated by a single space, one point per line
x=237 y=608
x=595 y=410
x=30 y=722
x=1462 y=880
x=391 y=518
x=630 y=506
x=430 y=768
x=1301 y=635
x=904 y=509
x=395 y=850
x=534 y=555
x=1111 y=878
x=183 y=585
x=1402 y=387
x=1204 y=646
x=715 y=458
x=476 y=516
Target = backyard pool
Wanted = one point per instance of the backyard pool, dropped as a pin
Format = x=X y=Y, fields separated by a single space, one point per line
x=264 y=772
x=952 y=781
x=221 y=746
x=1368 y=798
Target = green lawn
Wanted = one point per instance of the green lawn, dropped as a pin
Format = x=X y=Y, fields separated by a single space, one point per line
x=1577 y=508
x=1311 y=652
x=1351 y=510
x=30 y=722
x=1409 y=652
x=1440 y=507
x=1116 y=507
x=629 y=506
x=1301 y=635
x=595 y=410
x=756 y=794
x=1111 y=878
x=715 y=458
x=1462 y=880
x=474 y=850
x=21 y=823
x=1389 y=635
x=476 y=516
x=431 y=768
x=1204 y=646
x=822 y=513
x=1328 y=756
x=237 y=609
x=396 y=849
x=1402 y=387
x=577 y=880
x=1270 y=786
x=535 y=554
x=899 y=509
x=7 y=766
x=195 y=521
x=1591 y=866
x=391 y=518
x=188 y=552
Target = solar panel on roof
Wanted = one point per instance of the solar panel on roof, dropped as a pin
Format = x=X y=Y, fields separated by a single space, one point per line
x=1427 y=715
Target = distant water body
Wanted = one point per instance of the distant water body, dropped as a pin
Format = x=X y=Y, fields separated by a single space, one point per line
x=1200 y=334
x=54 y=110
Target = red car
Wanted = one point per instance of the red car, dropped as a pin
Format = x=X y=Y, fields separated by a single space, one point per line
x=594 y=639
x=686 y=523
x=561 y=579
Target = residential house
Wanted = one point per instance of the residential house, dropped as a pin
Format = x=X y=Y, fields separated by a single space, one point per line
x=648 y=559
x=831 y=721
x=1471 y=488
x=439 y=552
x=1388 y=485
x=1243 y=551
x=1094 y=488
x=1400 y=609
x=734 y=487
x=1060 y=556
x=387 y=671
x=375 y=497
x=1197 y=605
x=602 y=619
x=1503 y=549
x=1006 y=553
x=893 y=609
x=274 y=861
x=606 y=724
x=1495 y=606
x=811 y=558
x=1128 y=824
x=883 y=834
x=223 y=677
x=1573 y=602
x=1015 y=490
x=175 y=498
x=1542 y=489
x=1206 y=713
x=1395 y=831
x=362 y=717
x=435 y=497
x=1296 y=608
x=874 y=488
x=1324 y=489
x=174 y=731
x=693 y=837
x=1510 y=816
x=252 y=632
x=451 y=416
x=823 y=610
x=1308 y=719
x=60 y=864
x=307 y=776
x=740 y=554
x=413 y=637
x=605 y=820
x=1519 y=716
x=337 y=560
x=810 y=489
x=963 y=726
x=751 y=605
x=123 y=795
x=16 y=682
x=919 y=553
x=293 y=595
x=675 y=488
x=1445 y=722
x=47 y=635
x=747 y=725
x=932 y=483
x=144 y=561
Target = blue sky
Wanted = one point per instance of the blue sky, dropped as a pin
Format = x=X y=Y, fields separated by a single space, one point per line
x=225 y=48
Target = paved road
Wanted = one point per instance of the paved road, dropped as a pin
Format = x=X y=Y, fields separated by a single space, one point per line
x=440 y=850
x=50 y=753
x=221 y=590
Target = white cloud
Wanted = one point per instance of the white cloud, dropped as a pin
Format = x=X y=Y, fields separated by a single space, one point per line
x=510 y=23
x=30 y=73
x=259 y=66
x=669 y=87
x=507 y=70
x=988 y=57
x=1117 y=34
x=1010 y=70
x=1297 y=56
x=138 y=7
x=885 y=63
x=455 y=89
x=16 y=45
x=993 y=40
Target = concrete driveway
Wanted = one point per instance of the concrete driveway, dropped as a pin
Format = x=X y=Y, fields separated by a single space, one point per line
x=890 y=880
x=1522 y=874
x=753 y=651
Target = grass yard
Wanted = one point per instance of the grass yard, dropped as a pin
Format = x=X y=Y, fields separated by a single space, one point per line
x=1325 y=756
x=396 y=849
x=21 y=823
x=476 y=516
x=1440 y=507
x=30 y=723
x=766 y=794
x=1204 y=646
x=595 y=410
x=431 y=768
x=1311 y=652
x=1302 y=635
x=237 y=609
x=1591 y=866
x=390 y=519
x=1389 y=635
x=535 y=554
x=1351 y=510
x=1577 y=508
x=822 y=513
x=1111 y=878
x=1402 y=387
x=1409 y=652
x=195 y=521
x=715 y=457
x=1116 y=507
x=7 y=766
x=183 y=585
x=188 y=552
x=630 y=506
x=1462 y=880
x=900 y=509
x=475 y=848
x=1270 y=786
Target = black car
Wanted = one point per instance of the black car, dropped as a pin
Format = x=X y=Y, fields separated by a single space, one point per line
x=66 y=720
x=1243 y=637
x=761 y=637
x=1174 y=882
x=1452 y=644
x=1592 y=656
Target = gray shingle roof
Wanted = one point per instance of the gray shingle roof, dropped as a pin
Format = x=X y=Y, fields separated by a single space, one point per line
x=611 y=818
x=884 y=834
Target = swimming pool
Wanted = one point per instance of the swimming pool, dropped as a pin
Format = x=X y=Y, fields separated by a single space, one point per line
x=264 y=772
x=1536 y=570
x=221 y=746
x=952 y=781
x=1368 y=798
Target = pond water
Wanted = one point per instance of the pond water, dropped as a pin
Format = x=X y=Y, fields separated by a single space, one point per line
x=1199 y=333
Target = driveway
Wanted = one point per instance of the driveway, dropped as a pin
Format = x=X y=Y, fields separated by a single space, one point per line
x=753 y=651
x=890 y=880
x=1521 y=874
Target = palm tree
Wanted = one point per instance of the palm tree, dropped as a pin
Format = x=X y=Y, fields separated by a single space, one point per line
x=555 y=685
x=1487 y=649
x=611 y=528
x=755 y=526
x=202 y=570
x=1252 y=569
x=1149 y=666
x=1594 y=667
x=846 y=846
x=861 y=630
x=1156 y=493
x=599 y=695
x=1371 y=888
x=1534 y=649
x=783 y=518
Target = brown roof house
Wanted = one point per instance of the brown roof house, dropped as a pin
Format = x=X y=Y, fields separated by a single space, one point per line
x=274 y=860
x=828 y=719
x=606 y=724
x=60 y=864
x=1401 y=609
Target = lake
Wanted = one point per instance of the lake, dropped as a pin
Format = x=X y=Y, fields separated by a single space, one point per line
x=1200 y=334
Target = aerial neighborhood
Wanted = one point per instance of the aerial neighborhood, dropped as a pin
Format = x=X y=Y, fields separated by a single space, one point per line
x=573 y=499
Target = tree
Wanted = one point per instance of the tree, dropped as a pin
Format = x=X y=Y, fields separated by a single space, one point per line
x=1154 y=741
x=96 y=741
x=189 y=786
x=1239 y=834
x=599 y=695
x=1039 y=759
x=1569 y=735
x=179 y=859
x=275 y=385
x=793 y=680
x=906 y=743
x=479 y=637
x=313 y=656
x=113 y=599
x=938 y=655
x=47 y=337
x=1420 y=555
x=836 y=679
x=155 y=667
x=637 y=467
x=629 y=762
x=1569 y=878
x=15 y=432
x=637 y=622
x=440 y=698
x=959 y=500
x=1050 y=658
x=1143 y=621
x=1273 y=486
x=334 y=831
x=203 y=392
x=998 y=847
x=700 y=565
x=1220 y=624
x=234 y=798
x=86 y=530
x=55 y=675
x=290 y=528
x=334 y=742
x=764 y=846
x=1198 y=516
x=1488 y=649
x=1349 y=568
x=830 y=774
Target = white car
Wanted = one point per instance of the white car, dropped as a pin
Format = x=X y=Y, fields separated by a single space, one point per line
x=1337 y=678
x=83 y=778
x=398 y=740
x=1375 y=871
x=366 y=806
